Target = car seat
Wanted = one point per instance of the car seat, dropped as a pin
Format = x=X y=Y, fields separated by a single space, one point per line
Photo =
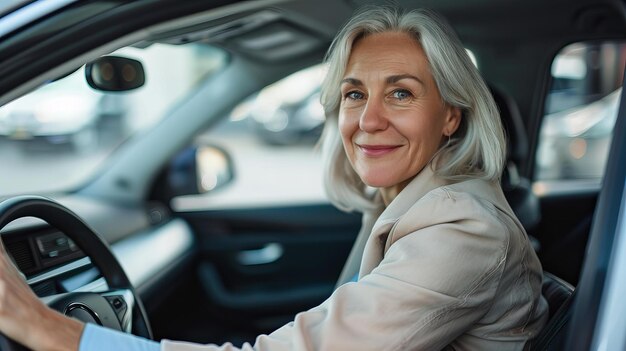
x=516 y=188
x=560 y=295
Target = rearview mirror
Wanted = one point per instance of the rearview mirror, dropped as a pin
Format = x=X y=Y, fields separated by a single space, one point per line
x=114 y=73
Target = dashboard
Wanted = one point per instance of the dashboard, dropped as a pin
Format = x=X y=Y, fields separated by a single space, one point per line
x=149 y=244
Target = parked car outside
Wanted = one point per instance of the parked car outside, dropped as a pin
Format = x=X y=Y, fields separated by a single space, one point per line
x=575 y=142
x=64 y=112
x=289 y=111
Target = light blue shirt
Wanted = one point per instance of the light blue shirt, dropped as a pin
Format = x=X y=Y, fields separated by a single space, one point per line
x=97 y=338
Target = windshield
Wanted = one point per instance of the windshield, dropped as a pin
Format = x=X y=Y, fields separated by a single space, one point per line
x=54 y=138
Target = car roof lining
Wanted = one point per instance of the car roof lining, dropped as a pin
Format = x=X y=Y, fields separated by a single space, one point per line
x=523 y=19
x=273 y=33
x=266 y=35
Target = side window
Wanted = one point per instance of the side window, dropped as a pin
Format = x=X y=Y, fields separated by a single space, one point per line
x=580 y=111
x=271 y=139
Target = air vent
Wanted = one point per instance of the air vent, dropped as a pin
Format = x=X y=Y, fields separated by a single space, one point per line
x=46 y=288
x=23 y=257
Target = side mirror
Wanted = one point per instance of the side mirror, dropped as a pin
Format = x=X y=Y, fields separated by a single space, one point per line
x=114 y=73
x=198 y=170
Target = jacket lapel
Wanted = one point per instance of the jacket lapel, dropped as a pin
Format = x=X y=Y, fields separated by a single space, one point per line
x=376 y=245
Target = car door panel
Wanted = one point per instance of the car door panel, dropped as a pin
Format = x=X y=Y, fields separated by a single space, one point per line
x=269 y=262
x=564 y=230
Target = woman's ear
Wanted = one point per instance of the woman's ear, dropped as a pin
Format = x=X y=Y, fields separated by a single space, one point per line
x=453 y=119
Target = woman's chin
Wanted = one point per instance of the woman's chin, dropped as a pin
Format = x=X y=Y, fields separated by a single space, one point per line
x=377 y=181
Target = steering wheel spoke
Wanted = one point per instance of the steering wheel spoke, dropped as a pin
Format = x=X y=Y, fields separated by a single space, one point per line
x=123 y=302
x=112 y=309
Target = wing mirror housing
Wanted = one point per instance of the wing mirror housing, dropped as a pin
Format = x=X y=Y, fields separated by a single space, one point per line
x=115 y=73
x=199 y=170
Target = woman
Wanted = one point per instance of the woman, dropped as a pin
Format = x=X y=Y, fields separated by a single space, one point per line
x=413 y=139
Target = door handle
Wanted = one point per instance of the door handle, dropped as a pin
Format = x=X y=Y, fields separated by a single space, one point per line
x=267 y=254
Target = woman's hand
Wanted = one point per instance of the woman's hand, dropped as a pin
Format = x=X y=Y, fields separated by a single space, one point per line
x=25 y=319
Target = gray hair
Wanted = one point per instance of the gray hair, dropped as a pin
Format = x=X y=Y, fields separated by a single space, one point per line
x=477 y=148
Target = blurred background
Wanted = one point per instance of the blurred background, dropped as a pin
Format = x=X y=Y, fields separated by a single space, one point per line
x=55 y=137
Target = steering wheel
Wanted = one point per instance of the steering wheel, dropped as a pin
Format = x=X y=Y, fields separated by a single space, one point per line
x=118 y=308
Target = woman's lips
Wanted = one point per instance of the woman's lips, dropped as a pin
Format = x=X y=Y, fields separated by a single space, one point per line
x=377 y=150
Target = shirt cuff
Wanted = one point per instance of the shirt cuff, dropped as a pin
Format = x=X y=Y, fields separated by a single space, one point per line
x=97 y=338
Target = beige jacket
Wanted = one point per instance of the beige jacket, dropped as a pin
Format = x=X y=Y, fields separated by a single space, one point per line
x=446 y=266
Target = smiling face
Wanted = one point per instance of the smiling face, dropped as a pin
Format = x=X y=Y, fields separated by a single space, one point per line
x=391 y=117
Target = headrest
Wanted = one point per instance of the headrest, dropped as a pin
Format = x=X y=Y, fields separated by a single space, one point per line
x=517 y=189
x=517 y=140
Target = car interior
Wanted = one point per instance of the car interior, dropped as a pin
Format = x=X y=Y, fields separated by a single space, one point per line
x=187 y=239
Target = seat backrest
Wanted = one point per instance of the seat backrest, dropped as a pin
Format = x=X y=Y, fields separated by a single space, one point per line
x=517 y=189
x=559 y=295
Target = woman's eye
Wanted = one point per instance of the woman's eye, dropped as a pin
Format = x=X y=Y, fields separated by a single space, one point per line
x=401 y=94
x=354 y=95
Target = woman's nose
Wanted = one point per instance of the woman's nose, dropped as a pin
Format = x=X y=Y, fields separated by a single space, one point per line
x=373 y=117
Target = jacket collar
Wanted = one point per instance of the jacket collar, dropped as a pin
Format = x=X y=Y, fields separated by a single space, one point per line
x=373 y=252
x=424 y=182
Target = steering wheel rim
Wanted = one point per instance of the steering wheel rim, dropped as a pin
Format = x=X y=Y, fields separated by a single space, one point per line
x=90 y=242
